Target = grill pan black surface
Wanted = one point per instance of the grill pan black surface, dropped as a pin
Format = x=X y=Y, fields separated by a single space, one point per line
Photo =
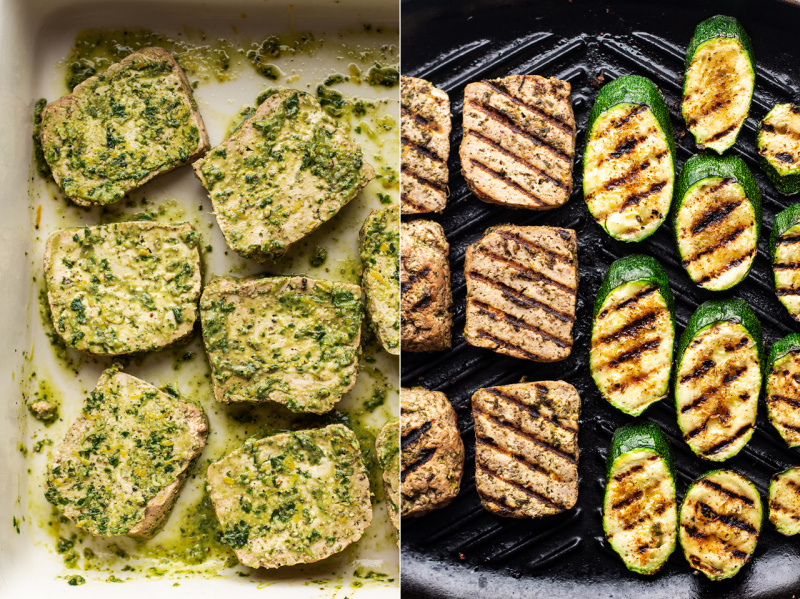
x=463 y=550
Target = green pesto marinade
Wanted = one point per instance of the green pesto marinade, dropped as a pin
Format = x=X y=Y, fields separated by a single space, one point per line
x=292 y=340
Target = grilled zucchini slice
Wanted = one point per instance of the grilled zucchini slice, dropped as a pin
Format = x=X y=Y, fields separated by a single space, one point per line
x=720 y=519
x=633 y=334
x=718 y=378
x=640 y=512
x=717 y=220
x=783 y=388
x=784 y=251
x=778 y=141
x=629 y=163
x=784 y=501
x=719 y=82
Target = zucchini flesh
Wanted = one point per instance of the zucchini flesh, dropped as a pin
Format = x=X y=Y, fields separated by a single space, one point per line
x=717 y=233
x=778 y=143
x=718 y=380
x=640 y=511
x=628 y=172
x=720 y=520
x=783 y=395
x=784 y=501
x=718 y=88
x=632 y=345
x=786 y=266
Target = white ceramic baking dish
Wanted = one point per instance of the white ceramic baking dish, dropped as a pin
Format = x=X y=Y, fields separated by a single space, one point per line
x=34 y=36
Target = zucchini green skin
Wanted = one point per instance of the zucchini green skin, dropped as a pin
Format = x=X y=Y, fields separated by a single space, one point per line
x=683 y=504
x=719 y=27
x=784 y=221
x=633 y=89
x=785 y=184
x=787 y=345
x=707 y=166
x=708 y=313
x=639 y=435
x=636 y=267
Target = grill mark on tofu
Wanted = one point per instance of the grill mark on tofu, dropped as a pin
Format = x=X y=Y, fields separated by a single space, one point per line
x=495 y=313
x=520 y=487
x=506 y=180
x=434 y=185
x=519 y=159
x=499 y=88
x=420 y=119
x=421 y=149
x=413 y=436
x=526 y=272
x=531 y=410
x=507 y=345
x=521 y=299
x=424 y=457
x=533 y=248
x=488 y=444
x=508 y=122
x=530 y=437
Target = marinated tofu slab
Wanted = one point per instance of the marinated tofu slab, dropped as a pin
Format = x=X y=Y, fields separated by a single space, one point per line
x=380 y=259
x=123 y=288
x=519 y=141
x=521 y=286
x=292 y=498
x=124 y=460
x=285 y=171
x=432 y=452
x=426 y=317
x=118 y=130
x=526 y=448
x=425 y=135
x=387 y=445
x=291 y=340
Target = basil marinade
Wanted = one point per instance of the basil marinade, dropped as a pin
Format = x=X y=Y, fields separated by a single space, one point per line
x=194 y=538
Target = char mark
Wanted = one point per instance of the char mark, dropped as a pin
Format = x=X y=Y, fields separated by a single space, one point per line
x=625 y=502
x=534 y=248
x=634 y=199
x=786 y=266
x=489 y=445
x=550 y=118
x=628 y=302
x=728 y=520
x=420 y=120
x=422 y=150
x=721 y=134
x=727 y=267
x=508 y=346
x=714 y=247
x=702 y=370
x=507 y=181
x=723 y=444
x=435 y=185
x=530 y=437
x=424 y=457
x=413 y=436
x=525 y=272
x=787 y=291
x=627 y=146
x=519 y=298
x=714 y=216
x=632 y=329
x=693 y=433
x=640 y=108
x=532 y=411
x=517 y=323
x=784 y=157
x=634 y=353
x=777 y=398
x=789 y=239
x=710 y=484
x=522 y=488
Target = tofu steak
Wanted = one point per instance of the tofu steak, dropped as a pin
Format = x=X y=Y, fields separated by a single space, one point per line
x=526 y=448
x=123 y=288
x=426 y=317
x=286 y=170
x=124 y=460
x=118 y=130
x=521 y=286
x=425 y=135
x=292 y=498
x=380 y=260
x=291 y=340
x=432 y=452
x=519 y=141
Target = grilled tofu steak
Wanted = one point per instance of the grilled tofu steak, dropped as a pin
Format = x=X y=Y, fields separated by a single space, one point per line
x=425 y=135
x=640 y=509
x=784 y=501
x=718 y=378
x=426 y=304
x=123 y=288
x=717 y=220
x=521 y=286
x=124 y=460
x=526 y=448
x=292 y=498
x=633 y=334
x=784 y=249
x=720 y=520
x=629 y=161
x=380 y=260
x=719 y=82
x=291 y=340
x=118 y=130
x=432 y=453
x=519 y=141
x=286 y=170
x=778 y=142
x=783 y=388
x=387 y=446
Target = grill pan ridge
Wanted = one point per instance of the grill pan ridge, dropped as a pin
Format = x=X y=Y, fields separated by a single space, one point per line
x=463 y=550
